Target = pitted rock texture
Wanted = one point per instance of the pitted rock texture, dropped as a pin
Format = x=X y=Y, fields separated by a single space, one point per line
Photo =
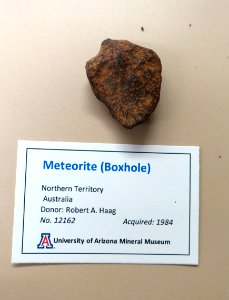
x=127 y=79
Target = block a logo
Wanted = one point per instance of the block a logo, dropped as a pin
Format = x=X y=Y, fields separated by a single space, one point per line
x=45 y=242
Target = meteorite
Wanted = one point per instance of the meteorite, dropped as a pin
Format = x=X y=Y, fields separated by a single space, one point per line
x=127 y=79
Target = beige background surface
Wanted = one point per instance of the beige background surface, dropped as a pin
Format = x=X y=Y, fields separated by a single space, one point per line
x=45 y=95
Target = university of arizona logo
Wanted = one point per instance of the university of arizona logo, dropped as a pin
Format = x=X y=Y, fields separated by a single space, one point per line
x=45 y=242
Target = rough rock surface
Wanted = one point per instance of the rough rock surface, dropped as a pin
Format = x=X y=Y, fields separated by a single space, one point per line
x=127 y=79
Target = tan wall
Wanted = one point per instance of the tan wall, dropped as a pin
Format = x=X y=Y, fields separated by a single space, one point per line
x=45 y=95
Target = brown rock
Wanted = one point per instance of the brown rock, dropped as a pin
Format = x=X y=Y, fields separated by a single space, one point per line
x=127 y=79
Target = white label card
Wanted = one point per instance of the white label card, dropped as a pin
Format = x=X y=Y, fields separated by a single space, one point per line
x=105 y=203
